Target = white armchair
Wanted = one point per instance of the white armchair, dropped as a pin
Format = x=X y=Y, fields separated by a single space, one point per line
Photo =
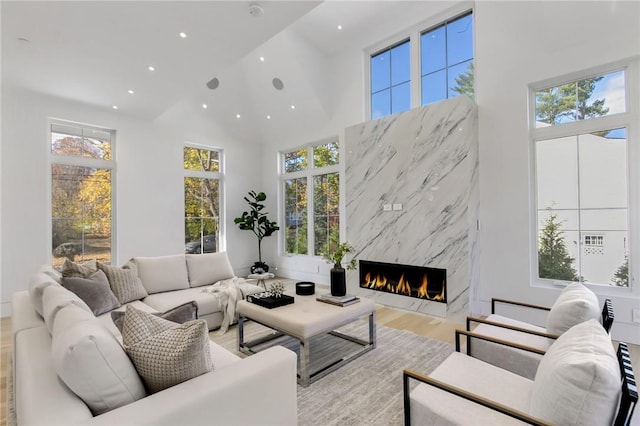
x=580 y=380
x=574 y=305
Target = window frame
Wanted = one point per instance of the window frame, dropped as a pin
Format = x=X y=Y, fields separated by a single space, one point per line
x=628 y=120
x=412 y=34
x=220 y=176
x=79 y=161
x=309 y=173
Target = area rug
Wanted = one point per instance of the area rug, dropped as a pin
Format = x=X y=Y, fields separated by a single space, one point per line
x=366 y=391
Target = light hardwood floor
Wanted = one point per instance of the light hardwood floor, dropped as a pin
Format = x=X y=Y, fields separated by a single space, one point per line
x=423 y=325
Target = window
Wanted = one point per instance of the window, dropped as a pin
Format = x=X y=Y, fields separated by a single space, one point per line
x=391 y=81
x=444 y=64
x=81 y=192
x=582 y=159
x=446 y=55
x=311 y=188
x=202 y=192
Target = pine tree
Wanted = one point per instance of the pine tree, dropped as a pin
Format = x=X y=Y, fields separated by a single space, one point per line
x=554 y=261
x=621 y=277
x=464 y=82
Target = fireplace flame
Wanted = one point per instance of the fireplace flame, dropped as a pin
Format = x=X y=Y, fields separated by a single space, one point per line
x=380 y=282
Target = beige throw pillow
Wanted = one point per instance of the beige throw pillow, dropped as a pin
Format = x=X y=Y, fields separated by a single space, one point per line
x=124 y=282
x=84 y=270
x=165 y=353
x=575 y=304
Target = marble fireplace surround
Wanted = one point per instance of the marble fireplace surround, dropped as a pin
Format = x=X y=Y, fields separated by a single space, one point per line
x=426 y=160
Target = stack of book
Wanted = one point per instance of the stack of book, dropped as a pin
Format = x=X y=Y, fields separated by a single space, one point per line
x=347 y=299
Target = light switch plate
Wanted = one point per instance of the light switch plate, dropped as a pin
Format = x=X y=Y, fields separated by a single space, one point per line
x=386 y=207
x=397 y=206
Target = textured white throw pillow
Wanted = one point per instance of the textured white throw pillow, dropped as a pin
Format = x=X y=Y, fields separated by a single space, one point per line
x=575 y=304
x=92 y=363
x=578 y=379
x=206 y=269
x=165 y=353
x=54 y=298
x=37 y=283
x=162 y=273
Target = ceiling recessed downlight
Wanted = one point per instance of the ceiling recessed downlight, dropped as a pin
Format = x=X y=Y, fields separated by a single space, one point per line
x=277 y=83
x=131 y=92
x=204 y=106
x=293 y=107
x=151 y=68
x=255 y=10
x=183 y=35
x=213 y=83
x=115 y=107
x=237 y=115
x=268 y=117
x=261 y=58
x=339 y=27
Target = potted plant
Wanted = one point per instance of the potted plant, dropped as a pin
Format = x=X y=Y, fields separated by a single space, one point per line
x=338 y=279
x=256 y=221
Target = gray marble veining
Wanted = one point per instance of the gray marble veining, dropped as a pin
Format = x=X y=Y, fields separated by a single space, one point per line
x=427 y=160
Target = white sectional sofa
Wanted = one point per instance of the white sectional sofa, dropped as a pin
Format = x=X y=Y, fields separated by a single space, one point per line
x=256 y=390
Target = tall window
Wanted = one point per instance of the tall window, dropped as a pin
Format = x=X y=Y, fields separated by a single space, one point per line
x=582 y=179
x=81 y=192
x=311 y=188
x=203 y=172
x=391 y=80
x=444 y=64
x=446 y=54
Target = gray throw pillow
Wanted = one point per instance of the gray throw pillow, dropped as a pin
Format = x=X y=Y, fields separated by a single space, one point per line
x=124 y=282
x=163 y=352
x=84 y=270
x=94 y=291
x=180 y=314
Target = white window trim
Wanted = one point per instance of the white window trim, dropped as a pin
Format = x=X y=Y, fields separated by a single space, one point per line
x=627 y=119
x=69 y=160
x=309 y=173
x=412 y=34
x=220 y=176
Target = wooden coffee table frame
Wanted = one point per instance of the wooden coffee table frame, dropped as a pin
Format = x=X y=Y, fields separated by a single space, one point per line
x=306 y=377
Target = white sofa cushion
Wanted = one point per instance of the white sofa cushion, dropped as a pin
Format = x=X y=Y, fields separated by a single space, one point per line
x=54 y=299
x=205 y=269
x=578 y=379
x=575 y=304
x=92 y=363
x=37 y=283
x=163 y=352
x=162 y=273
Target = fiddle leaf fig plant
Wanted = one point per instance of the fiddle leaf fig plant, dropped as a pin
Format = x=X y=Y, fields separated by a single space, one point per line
x=256 y=220
x=336 y=257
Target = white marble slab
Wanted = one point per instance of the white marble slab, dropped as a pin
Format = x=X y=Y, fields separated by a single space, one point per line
x=427 y=160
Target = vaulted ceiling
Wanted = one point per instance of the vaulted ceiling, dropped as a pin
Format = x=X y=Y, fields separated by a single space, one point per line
x=95 y=52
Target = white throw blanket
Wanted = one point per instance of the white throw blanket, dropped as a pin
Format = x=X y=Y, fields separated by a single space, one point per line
x=228 y=292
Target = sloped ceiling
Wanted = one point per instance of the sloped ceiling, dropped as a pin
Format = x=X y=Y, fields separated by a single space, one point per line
x=95 y=51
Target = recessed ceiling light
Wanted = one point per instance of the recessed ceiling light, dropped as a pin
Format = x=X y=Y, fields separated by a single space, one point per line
x=183 y=35
x=151 y=68
x=268 y=117
x=237 y=115
x=277 y=83
x=131 y=92
x=115 y=107
x=261 y=58
x=204 y=106
x=339 y=27
x=293 y=107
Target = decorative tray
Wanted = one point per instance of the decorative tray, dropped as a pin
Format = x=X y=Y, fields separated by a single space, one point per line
x=269 y=301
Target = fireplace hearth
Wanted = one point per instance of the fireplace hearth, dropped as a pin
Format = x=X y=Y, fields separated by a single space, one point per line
x=413 y=281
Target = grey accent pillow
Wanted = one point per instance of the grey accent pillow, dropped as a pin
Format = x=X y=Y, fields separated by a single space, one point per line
x=163 y=352
x=94 y=291
x=84 y=270
x=180 y=314
x=124 y=282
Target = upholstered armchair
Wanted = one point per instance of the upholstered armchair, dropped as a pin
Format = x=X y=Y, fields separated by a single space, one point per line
x=580 y=380
x=575 y=304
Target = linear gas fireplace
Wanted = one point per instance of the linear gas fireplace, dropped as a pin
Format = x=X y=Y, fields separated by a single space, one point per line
x=413 y=281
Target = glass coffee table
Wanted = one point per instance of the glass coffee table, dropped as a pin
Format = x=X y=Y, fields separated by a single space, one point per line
x=303 y=320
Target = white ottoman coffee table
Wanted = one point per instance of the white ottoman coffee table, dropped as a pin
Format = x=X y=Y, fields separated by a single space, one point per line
x=304 y=319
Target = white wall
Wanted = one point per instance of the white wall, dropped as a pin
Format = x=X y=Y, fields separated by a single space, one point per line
x=517 y=43
x=149 y=183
